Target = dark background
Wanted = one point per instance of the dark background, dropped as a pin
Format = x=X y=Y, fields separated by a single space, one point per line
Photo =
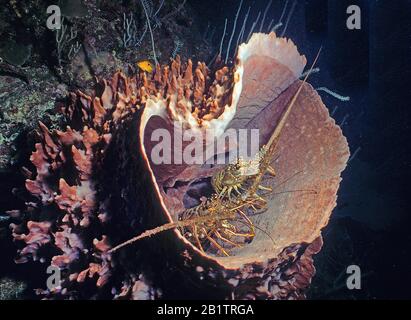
x=371 y=225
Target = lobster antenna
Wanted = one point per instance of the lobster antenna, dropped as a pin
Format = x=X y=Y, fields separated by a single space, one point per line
x=145 y=234
x=276 y=134
x=261 y=229
x=157 y=230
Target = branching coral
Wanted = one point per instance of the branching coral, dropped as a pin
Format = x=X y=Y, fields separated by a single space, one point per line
x=64 y=37
x=130 y=31
x=280 y=21
x=131 y=36
x=146 y=8
x=260 y=19
x=178 y=44
x=233 y=31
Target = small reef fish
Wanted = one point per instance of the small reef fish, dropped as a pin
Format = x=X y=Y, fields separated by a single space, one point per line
x=145 y=65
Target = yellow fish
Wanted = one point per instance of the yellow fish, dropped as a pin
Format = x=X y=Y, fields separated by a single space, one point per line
x=145 y=65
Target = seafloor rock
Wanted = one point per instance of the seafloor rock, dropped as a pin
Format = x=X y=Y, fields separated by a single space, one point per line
x=94 y=185
x=23 y=105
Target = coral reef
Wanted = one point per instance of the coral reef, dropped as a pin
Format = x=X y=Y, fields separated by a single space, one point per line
x=33 y=62
x=93 y=184
x=20 y=113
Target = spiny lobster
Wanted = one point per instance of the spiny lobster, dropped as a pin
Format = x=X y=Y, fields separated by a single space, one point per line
x=217 y=219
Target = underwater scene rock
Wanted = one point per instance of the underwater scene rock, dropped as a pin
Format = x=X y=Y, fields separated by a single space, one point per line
x=94 y=185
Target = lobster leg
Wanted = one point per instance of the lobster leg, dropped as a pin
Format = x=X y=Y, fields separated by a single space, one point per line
x=244 y=235
x=215 y=243
x=196 y=238
x=265 y=188
x=271 y=170
x=237 y=189
x=220 y=236
x=249 y=222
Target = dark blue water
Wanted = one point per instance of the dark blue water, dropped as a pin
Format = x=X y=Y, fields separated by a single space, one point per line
x=370 y=226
